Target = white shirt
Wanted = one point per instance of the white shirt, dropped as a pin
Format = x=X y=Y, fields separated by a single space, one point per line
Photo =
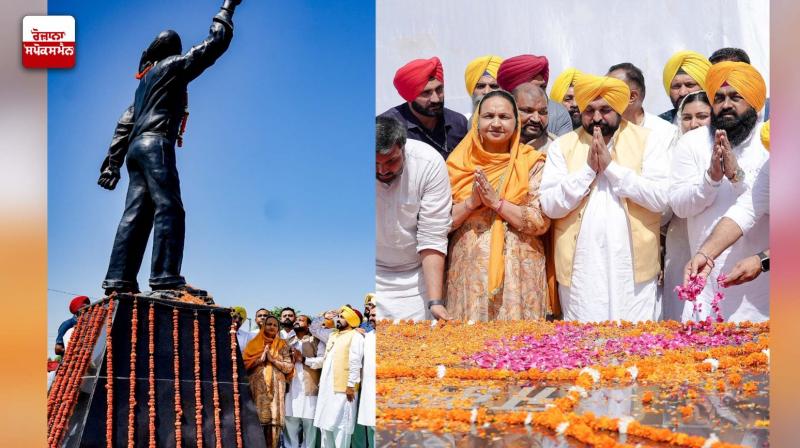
x=333 y=410
x=366 y=405
x=413 y=211
x=753 y=203
x=602 y=284
x=695 y=196
x=413 y=214
x=243 y=337
x=298 y=404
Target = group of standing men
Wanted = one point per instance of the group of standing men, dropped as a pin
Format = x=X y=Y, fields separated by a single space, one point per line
x=618 y=183
x=330 y=398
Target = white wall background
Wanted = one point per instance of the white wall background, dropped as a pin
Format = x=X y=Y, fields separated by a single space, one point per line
x=589 y=35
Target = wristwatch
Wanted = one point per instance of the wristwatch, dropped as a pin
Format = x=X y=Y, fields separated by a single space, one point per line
x=764 y=261
x=738 y=176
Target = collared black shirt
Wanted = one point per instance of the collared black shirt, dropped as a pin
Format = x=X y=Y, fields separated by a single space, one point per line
x=669 y=115
x=447 y=134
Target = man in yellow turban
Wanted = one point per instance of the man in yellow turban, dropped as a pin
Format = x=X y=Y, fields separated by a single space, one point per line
x=480 y=77
x=684 y=73
x=605 y=186
x=712 y=168
x=335 y=414
x=564 y=93
x=239 y=315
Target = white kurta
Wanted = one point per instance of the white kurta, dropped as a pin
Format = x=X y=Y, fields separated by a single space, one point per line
x=334 y=412
x=602 y=277
x=366 y=405
x=243 y=337
x=695 y=196
x=298 y=404
x=753 y=203
x=676 y=252
x=413 y=214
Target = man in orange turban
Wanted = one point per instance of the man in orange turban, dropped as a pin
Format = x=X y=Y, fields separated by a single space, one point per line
x=480 y=77
x=528 y=68
x=605 y=186
x=712 y=168
x=684 y=73
x=421 y=84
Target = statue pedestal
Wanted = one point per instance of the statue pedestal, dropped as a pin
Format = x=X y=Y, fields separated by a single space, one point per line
x=87 y=425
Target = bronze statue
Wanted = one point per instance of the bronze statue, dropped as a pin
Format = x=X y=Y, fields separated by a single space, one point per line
x=147 y=133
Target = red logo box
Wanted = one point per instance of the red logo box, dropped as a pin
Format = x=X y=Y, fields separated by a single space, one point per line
x=48 y=41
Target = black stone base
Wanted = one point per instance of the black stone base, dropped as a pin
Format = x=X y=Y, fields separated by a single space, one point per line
x=87 y=426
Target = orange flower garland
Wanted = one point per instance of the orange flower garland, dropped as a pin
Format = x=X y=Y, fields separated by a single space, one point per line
x=109 y=378
x=235 y=366
x=132 y=376
x=176 y=368
x=198 y=403
x=86 y=346
x=215 y=385
x=151 y=402
x=57 y=388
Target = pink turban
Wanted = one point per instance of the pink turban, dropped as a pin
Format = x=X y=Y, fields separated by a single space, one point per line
x=520 y=69
x=410 y=79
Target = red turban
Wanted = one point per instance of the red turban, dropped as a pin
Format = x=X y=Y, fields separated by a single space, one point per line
x=77 y=303
x=410 y=79
x=520 y=69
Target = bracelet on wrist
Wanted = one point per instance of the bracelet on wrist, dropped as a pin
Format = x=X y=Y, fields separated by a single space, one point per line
x=500 y=205
x=435 y=302
x=708 y=259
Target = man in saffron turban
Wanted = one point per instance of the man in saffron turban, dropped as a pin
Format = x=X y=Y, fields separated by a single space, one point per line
x=605 y=187
x=528 y=68
x=335 y=414
x=75 y=306
x=480 y=77
x=421 y=84
x=712 y=167
x=684 y=73
x=563 y=92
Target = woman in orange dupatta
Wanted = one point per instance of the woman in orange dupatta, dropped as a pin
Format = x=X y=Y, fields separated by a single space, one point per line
x=497 y=265
x=268 y=361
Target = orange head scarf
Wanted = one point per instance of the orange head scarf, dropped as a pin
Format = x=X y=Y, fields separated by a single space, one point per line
x=507 y=172
x=254 y=350
x=742 y=77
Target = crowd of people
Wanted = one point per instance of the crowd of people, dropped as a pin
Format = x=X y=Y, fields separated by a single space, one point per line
x=578 y=204
x=312 y=380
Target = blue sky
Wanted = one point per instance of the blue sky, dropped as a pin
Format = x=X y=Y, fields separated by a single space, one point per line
x=276 y=169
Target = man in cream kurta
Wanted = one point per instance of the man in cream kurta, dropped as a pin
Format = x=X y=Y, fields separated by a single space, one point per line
x=335 y=415
x=413 y=202
x=301 y=399
x=611 y=210
x=713 y=166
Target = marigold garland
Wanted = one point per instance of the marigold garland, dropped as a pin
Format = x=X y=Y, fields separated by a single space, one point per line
x=235 y=366
x=215 y=385
x=151 y=402
x=109 y=378
x=86 y=342
x=198 y=403
x=57 y=388
x=176 y=368
x=132 y=376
